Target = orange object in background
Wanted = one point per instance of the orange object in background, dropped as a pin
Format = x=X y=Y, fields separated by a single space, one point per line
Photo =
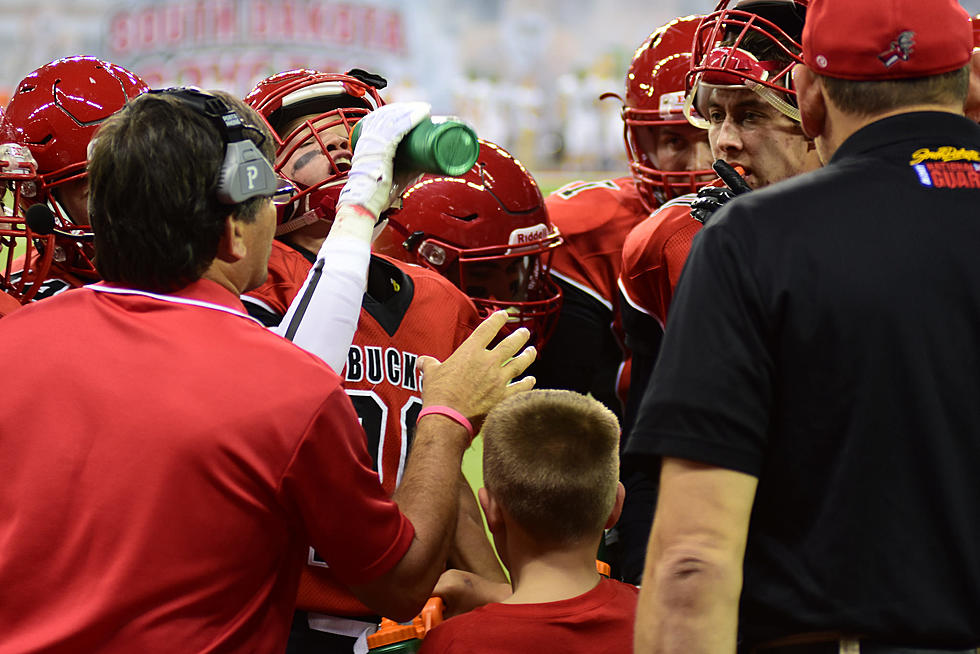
x=404 y=638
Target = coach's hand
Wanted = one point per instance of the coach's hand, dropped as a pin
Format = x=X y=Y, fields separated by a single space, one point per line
x=474 y=379
x=369 y=182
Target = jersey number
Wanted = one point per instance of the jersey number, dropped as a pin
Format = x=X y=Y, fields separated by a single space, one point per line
x=374 y=420
x=373 y=414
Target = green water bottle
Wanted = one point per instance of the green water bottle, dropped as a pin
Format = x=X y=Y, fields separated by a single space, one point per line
x=439 y=144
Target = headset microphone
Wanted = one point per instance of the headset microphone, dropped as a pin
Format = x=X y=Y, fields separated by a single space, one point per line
x=40 y=219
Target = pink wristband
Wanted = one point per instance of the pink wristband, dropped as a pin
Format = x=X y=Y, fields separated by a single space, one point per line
x=450 y=413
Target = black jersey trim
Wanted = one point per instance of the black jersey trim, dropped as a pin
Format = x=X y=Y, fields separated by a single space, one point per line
x=261 y=311
x=383 y=301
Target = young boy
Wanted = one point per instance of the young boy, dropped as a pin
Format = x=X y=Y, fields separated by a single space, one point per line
x=551 y=470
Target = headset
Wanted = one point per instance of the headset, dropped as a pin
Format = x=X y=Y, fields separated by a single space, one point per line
x=245 y=172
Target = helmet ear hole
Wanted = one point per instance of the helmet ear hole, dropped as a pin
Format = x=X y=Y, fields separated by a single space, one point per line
x=434 y=254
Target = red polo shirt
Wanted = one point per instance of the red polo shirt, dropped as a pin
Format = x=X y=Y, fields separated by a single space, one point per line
x=166 y=461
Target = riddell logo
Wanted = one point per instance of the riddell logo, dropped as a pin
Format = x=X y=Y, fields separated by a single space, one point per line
x=525 y=235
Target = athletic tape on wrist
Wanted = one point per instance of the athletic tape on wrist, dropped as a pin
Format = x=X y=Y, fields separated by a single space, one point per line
x=450 y=413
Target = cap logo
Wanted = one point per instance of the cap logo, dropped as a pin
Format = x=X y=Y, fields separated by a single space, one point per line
x=899 y=50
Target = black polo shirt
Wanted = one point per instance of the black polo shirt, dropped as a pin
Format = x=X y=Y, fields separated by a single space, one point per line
x=825 y=337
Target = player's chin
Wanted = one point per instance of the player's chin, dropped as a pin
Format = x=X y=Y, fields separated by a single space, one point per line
x=752 y=180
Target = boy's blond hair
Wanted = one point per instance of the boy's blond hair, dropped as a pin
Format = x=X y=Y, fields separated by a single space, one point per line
x=551 y=458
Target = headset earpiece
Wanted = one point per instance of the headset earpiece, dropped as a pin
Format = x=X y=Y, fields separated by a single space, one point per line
x=245 y=173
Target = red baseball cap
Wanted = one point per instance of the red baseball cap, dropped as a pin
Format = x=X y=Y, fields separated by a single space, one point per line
x=886 y=39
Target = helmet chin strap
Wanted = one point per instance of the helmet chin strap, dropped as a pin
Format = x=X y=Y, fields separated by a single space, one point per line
x=324 y=210
x=300 y=221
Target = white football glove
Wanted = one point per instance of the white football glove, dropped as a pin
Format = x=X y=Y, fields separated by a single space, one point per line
x=369 y=182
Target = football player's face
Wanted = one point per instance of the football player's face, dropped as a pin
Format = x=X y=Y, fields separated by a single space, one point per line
x=746 y=130
x=309 y=164
x=324 y=158
x=73 y=197
x=503 y=280
x=675 y=147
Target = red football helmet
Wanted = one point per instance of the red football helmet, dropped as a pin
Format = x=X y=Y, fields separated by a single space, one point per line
x=489 y=233
x=25 y=256
x=728 y=45
x=310 y=111
x=56 y=111
x=655 y=97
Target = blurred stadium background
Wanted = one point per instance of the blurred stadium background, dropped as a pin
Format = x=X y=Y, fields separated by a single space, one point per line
x=526 y=73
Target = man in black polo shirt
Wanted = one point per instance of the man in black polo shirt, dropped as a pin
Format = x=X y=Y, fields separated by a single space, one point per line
x=816 y=396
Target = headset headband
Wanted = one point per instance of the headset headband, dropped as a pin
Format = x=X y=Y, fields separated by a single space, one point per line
x=245 y=171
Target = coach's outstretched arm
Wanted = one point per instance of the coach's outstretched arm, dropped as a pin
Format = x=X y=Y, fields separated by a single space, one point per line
x=471 y=381
x=323 y=316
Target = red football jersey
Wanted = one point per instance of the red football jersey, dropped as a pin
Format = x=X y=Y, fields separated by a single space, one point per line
x=287 y=272
x=425 y=314
x=654 y=254
x=594 y=219
x=408 y=311
x=7 y=304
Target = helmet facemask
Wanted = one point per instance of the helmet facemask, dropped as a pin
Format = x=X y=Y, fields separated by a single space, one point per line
x=499 y=278
x=25 y=256
x=315 y=156
x=753 y=46
x=312 y=115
